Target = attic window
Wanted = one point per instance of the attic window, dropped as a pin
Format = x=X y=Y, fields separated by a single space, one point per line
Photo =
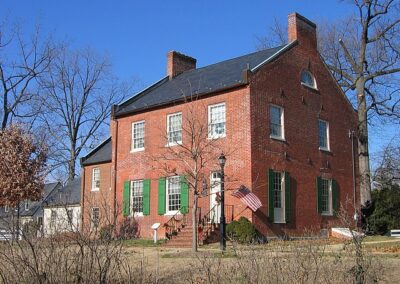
x=308 y=79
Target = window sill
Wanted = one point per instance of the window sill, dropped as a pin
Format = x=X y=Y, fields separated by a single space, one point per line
x=137 y=150
x=277 y=138
x=172 y=213
x=174 y=144
x=326 y=150
x=95 y=189
x=138 y=215
x=216 y=137
x=327 y=214
x=309 y=87
x=283 y=222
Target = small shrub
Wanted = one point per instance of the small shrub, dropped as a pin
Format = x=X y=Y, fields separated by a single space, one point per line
x=243 y=231
x=129 y=229
x=106 y=232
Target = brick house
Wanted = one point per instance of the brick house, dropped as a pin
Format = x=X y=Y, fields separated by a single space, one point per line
x=279 y=114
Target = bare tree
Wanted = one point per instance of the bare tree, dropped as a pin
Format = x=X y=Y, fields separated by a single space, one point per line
x=363 y=53
x=22 y=61
x=79 y=92
x=193 y=157
x=387 y=171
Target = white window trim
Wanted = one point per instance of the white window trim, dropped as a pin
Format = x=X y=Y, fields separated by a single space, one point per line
x=280 y=138
x=330 y=200
x=135 y=214
x=167 y=212
x=26 y=205
x=210 y=136
x=6 y=208
x=133 y=150
x=328 y=148
x=169 y=144
x=93 y=181
x=308 y=85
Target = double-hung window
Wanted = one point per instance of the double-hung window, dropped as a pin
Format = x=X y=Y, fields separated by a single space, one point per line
x=174 y=128
x=138 y=136
x=137 y=196
x=276 y=122
x=216 y=121
x=70 y=216
x=96 y=179
x=95 y=217
x=326 y=196
x=173 y=194
x=323 y=133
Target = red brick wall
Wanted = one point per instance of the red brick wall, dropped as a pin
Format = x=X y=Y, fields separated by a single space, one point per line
x=101 y=198
x=140 y=165
x=279 y=83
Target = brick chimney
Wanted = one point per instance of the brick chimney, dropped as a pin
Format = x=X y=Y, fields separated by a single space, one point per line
x=178 y=63
x=303 y=30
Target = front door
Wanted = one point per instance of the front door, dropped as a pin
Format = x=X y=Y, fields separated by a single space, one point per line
x=215 y=194
x=279 y=198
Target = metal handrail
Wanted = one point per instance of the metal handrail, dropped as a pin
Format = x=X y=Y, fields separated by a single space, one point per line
x=176 y=222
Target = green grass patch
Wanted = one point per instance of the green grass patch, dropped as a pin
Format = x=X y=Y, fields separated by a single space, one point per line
x=142 y=243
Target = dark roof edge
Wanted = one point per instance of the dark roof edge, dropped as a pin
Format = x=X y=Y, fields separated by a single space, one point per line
x=179 y=100
x=97 y=163
x=143 y=92
x=83 y=159
x=276 y=54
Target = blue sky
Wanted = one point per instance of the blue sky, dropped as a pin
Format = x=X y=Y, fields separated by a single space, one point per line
x=137 y=34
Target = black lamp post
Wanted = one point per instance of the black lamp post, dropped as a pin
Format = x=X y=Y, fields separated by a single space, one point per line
x=222 y=161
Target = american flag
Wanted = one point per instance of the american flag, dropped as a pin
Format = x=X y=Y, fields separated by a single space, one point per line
x=248 y=198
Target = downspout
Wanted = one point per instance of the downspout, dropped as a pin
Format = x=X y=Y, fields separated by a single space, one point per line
x=115 y=139
x=82 y=197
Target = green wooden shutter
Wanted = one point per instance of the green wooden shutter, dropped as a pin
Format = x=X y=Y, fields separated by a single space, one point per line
x=161 y=195
x=271 y=194
x=335 y=197
x=127 y=198
x=184 y=195
x=288 y=200
x=319 y=194
x=146 y=197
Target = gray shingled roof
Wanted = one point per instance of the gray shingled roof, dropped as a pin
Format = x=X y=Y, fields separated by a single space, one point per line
x=70 y=194
x=207 y=79
x=33 y=206
x=100 y=154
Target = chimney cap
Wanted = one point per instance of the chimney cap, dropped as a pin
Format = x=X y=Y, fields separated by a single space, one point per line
x=304 y=19
x=181 y=55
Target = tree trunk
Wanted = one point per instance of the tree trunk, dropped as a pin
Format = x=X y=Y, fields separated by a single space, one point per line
x=363 y=152
x=71 y=169
x=194 y=223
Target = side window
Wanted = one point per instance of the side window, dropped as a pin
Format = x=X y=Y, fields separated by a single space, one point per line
x=276 y=122
x=308 y=79
x=138 y=136
x=216 y=121
x=323 y=133
x=174 y=128
x=95 y=217
x=96 y=179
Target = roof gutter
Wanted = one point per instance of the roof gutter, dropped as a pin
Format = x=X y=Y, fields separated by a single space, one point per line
x=273 y=56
